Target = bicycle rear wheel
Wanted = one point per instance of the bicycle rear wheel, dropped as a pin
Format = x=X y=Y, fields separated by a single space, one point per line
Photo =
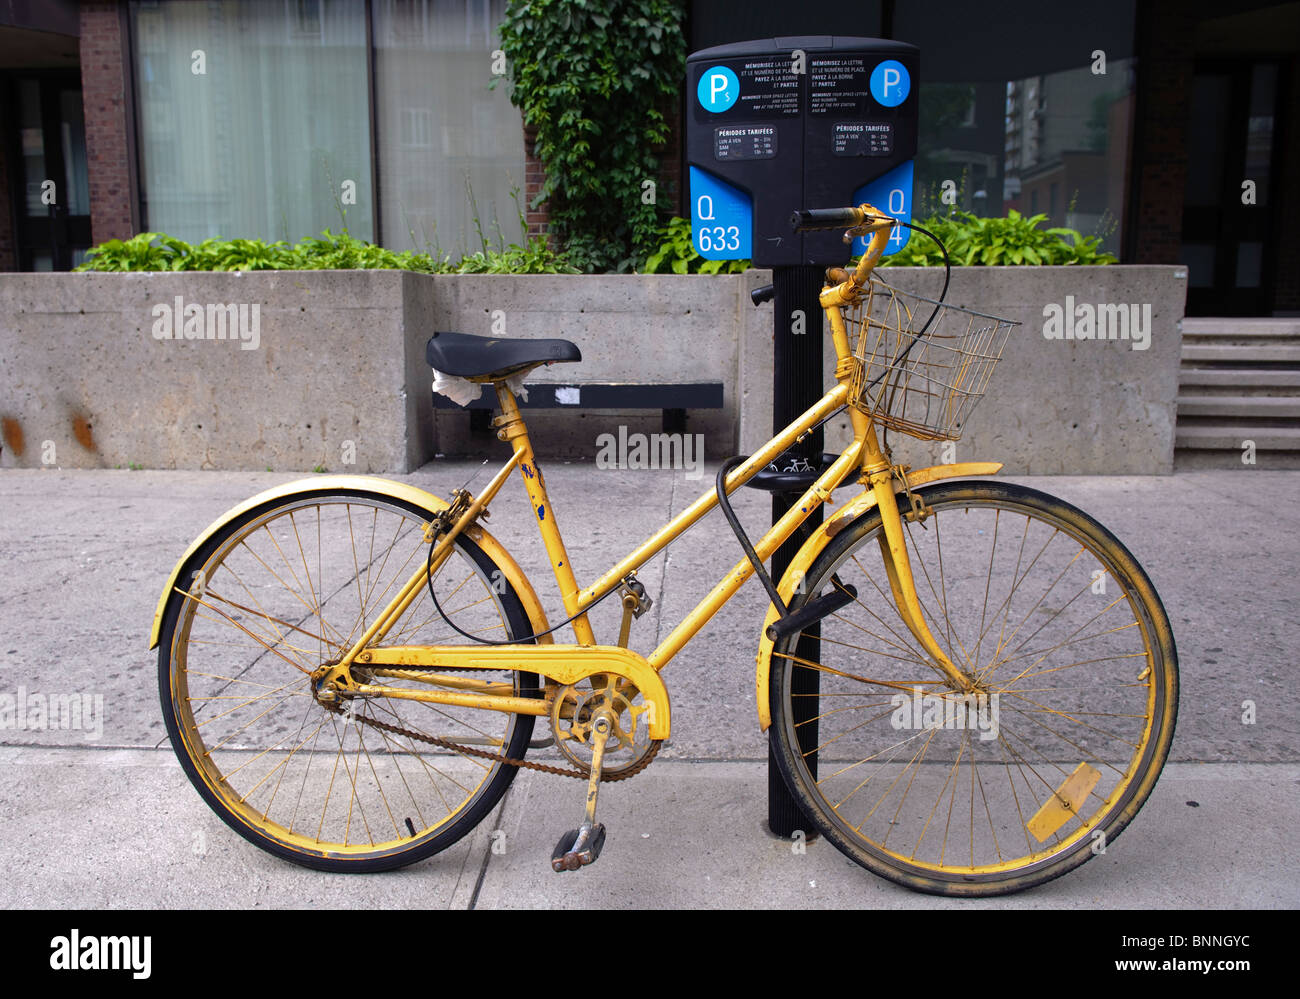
x=286 y=588
x=1075 y=706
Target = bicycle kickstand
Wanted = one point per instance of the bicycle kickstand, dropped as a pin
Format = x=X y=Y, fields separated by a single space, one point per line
x=580 y=847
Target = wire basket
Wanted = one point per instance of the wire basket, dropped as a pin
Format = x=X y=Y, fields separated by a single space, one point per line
x=924 y=364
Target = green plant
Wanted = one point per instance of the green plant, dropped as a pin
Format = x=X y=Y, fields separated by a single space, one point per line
x=328 y=251
x=136 y=254
x=676 y=253
x=535 y=258
x=1016 y=239
x=592 y=78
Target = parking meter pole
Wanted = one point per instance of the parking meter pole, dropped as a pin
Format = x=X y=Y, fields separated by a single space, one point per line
x=796 y=385
x=774 y=125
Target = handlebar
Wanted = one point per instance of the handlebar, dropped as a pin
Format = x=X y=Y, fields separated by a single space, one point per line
x=809 y=219
x=857 y=221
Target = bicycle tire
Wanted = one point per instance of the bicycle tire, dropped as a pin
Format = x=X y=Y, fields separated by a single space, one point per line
x=876 y=725
x=280 y=579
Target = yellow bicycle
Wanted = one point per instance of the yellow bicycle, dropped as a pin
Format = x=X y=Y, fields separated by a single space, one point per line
x=351 y=669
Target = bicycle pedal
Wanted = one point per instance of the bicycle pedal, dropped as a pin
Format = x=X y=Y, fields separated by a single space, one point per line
x=570 y=854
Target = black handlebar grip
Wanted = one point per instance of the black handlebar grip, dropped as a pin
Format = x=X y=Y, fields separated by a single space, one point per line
x=823 y=218
x=763 y=293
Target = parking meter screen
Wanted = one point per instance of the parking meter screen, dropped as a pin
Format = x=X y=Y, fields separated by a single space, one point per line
x=808 y=122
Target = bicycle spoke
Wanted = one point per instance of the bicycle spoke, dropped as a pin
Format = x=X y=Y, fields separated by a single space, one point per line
x=940 y=783
x=323 y=779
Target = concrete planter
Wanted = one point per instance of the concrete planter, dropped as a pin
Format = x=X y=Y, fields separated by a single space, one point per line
x=329 y=369
x=1053 y=406
x=83 y=376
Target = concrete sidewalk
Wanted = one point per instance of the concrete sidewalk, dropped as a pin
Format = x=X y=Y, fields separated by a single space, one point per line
x=109 y=820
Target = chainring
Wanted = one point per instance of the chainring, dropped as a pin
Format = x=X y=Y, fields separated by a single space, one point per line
x=629 y=749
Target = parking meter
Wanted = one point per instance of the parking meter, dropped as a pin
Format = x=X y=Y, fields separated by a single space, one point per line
x=775 y=125
x=805 y=122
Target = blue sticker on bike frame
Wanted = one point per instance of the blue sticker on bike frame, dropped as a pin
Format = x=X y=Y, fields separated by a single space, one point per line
x=890 y=83
x=891 y=194
x=722 y=218
x=718 y=89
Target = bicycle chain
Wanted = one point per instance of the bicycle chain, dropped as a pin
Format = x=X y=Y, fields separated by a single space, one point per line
x=433 y=740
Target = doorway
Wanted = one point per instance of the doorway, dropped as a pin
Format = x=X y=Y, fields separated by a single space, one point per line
x=1228 y=235
x=46 y=150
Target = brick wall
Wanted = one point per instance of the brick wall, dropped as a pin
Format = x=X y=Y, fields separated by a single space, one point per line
x=539 y=218
x=668 y=182
x=8 y=260
x=670 y=163
x=105 y=86
x=1166 y=41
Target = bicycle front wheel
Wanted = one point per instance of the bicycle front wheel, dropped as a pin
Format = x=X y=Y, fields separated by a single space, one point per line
x=361 y=785
x=1055 y=750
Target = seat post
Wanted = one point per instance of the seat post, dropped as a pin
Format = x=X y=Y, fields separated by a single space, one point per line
x=512 y=429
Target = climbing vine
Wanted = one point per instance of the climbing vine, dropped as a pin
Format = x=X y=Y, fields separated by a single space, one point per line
x=593 y=79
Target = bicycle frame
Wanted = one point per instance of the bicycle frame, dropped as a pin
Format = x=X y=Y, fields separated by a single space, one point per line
x=565 y=664
x=576 y=601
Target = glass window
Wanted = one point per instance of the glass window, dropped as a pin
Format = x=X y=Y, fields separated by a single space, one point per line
x=451 y=148
x=1030 y=111
x=1259 y=128
x=72 y=126
x=1250 y=264
x=33 y=144
x=1201 y=260
x=1207 y=125
x=253 y=117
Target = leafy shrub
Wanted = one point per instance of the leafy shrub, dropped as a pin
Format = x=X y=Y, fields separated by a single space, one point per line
x=677 y=254
x=1016 y=239
x=594 y=79
x=153 y=251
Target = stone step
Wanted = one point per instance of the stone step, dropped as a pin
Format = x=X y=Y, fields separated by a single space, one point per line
x=1236 y=354
x=1282 y=381
x=1259 y=407
x=1202 y=330
x=1192 y=460
x=1215 y=437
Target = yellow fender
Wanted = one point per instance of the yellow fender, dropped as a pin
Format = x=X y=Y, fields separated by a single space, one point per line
x=382 y=487
x=801 y=563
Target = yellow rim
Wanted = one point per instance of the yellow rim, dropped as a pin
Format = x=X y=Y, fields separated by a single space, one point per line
x=282 y=595
x=933 y=784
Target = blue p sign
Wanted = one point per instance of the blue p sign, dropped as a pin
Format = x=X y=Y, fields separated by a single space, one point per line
x=718 y=89
x=890 y=83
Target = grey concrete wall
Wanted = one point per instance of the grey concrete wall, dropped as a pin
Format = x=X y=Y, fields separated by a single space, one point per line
x=1052 y=406
x=80 y=369
x=645 y=329
x=339 y=380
